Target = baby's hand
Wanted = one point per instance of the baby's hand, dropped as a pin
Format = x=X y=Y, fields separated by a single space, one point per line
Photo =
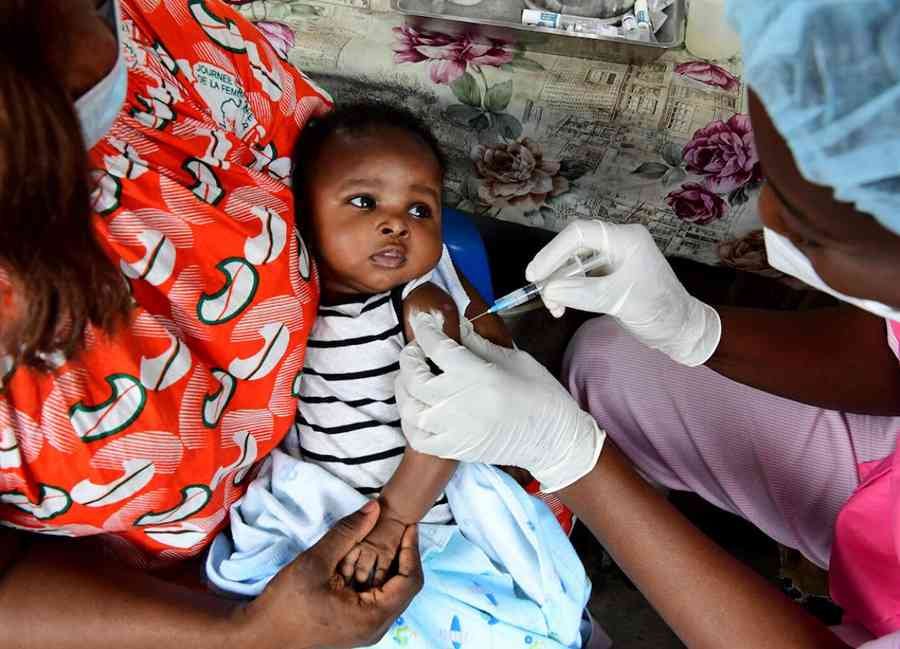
x=522 y=476
x=368 y=563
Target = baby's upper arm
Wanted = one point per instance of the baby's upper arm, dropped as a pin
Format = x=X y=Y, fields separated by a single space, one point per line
x=429 y=297
x=490 y=326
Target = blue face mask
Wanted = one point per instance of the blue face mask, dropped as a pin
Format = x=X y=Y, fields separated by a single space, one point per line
x=99 y=107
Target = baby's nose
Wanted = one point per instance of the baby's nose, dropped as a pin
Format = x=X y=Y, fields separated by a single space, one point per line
x=395 y=227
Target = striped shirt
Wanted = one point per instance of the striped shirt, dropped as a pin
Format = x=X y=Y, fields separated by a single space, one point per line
x=347 y=418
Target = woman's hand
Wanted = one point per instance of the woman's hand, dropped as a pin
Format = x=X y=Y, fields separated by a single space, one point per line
x=492 y=405
x=369 y=562
x=638 y=288
x=309 y=603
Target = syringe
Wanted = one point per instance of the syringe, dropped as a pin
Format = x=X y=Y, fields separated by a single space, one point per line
x=529 y=292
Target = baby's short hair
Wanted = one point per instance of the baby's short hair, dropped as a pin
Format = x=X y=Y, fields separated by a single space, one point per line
x=356 y=119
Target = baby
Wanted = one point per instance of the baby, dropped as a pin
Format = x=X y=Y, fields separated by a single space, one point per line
x=368 y=183
x=499 y=571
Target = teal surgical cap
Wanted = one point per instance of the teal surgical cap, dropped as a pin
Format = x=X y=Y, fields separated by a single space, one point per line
x=828 y=73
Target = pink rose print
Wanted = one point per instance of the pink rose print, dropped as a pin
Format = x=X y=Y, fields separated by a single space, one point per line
x=516 y=174
x=747 y=253
x=694 y=203
x=725 y=154
x=279 y=35
x=449 y=56
x=708 y=73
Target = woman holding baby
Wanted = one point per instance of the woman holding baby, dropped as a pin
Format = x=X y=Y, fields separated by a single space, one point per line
x=150 y=138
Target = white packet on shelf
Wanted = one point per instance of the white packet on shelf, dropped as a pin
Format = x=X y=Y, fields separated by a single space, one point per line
x=657 y=14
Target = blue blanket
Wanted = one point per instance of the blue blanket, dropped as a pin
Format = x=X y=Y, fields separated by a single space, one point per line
x=504 y=575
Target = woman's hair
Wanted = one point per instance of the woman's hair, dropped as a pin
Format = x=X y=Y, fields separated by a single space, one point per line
x=60 y=279
x=356 y=120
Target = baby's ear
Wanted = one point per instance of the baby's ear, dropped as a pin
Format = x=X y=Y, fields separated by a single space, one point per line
x=429 y=298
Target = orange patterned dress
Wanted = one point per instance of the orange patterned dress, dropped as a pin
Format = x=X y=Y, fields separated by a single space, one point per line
x=149 y=436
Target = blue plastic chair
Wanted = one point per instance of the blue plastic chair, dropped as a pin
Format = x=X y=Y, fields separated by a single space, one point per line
x=467 y=251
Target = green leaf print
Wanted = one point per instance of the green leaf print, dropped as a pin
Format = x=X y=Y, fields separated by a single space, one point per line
x=462 y=114
x=521 y=62
x=651 y=170
x=466 y=90
x=497 y=97
x=508 y=126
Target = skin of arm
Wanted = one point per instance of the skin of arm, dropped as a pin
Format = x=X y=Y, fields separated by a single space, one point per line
x=82 y=593
x=420 y=478
x=426 y=474
x=56 y=592
x=708 y=598
x=836 y=358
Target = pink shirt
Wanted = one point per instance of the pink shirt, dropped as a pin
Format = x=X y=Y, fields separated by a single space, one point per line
x=864 y=574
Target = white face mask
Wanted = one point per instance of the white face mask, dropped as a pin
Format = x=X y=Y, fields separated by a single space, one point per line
x=786 y=257
x=99 y=107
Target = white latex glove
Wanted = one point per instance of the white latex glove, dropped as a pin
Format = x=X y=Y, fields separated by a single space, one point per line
x=492 y=405
x=638 y=288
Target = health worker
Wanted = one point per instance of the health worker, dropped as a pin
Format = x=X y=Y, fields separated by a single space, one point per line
x=788 y=419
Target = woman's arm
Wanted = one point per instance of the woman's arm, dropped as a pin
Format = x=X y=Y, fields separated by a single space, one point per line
x=506 y=407
x=56 y=593
x=61 y=593
x=708 y=598
x=836 y=358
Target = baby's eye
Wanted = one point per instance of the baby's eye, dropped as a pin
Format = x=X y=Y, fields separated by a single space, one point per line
x=363 y=202
x=420 y=211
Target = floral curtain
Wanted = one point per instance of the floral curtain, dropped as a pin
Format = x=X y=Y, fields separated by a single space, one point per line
x=541 y=139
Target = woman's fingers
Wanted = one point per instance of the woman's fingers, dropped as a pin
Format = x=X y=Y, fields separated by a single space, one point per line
x=399 y=590
x=577 y=238
x=591 y=294
x=445 y=352
x=346 y=534
x=484 y=348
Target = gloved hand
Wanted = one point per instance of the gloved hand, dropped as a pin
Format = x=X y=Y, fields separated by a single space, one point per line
x=637 y=288
x=492 y=405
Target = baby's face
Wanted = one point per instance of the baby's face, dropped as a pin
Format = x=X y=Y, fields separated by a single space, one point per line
x=375 y=207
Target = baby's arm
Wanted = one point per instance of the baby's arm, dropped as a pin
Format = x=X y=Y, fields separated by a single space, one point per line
x=419 y=479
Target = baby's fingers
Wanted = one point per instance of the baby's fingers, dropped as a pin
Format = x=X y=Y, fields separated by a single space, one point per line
x=365 y=564
x=348 y=564
x=381 y=569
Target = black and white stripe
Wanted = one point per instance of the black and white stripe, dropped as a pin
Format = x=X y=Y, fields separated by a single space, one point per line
x=348 y=421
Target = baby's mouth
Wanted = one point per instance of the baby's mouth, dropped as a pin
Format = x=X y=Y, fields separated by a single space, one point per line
x=389 y=257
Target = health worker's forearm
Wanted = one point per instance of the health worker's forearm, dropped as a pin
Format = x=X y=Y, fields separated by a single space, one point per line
x=835 y=358
x=708 y=598
x=61 y=594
